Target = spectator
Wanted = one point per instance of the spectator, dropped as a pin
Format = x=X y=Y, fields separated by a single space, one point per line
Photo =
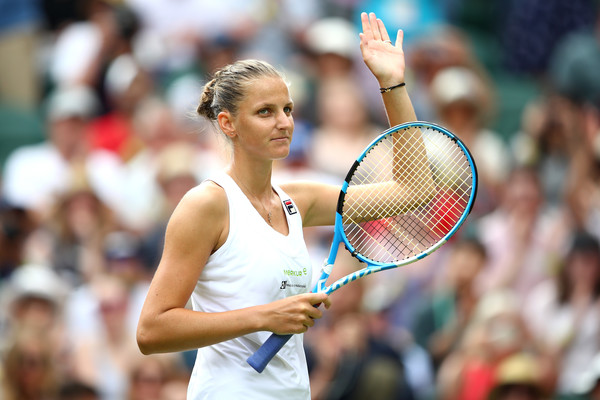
x=331 y=53
x=35 y=175
x=128 y=184
x=148 y=377
x=518 y=378
x=15 y=226
x=75 y=232
x=464 y=103
x=29 y=369
x=178 y=172
x=588 y=384
x=32 y=301
x=344 y=125
x=443 y=319
x=348 y=360
x=547 y=142
x=121 y=262
x=104 y=358
x=522 y=236
x=332 y=42
x=496 y=332
x=444 y=47
x=74 y=390
x=564 y=313
x=172 y=33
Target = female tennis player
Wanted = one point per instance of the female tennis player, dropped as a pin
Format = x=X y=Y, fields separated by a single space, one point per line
x=234 y=244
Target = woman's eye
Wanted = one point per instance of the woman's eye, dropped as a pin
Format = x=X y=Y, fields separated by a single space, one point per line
x=287 y=110
x=264 y=111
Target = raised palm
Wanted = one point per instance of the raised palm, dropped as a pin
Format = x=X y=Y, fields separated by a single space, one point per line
x=384 y=58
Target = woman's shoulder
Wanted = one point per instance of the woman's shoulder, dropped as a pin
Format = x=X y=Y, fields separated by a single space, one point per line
x=207 y=200
x=203 y=212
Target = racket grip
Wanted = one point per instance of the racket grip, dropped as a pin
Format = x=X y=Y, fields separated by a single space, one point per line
x=267 y=351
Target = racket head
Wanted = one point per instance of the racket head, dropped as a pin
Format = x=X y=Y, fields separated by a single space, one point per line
x=432 y=154
x=451 y=189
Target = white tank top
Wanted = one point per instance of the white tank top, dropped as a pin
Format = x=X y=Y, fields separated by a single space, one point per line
x=255 y=265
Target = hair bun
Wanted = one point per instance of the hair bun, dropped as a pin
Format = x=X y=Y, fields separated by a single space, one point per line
x=205 y=107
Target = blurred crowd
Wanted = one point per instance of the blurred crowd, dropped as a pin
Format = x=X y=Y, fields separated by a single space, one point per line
x=99 y=140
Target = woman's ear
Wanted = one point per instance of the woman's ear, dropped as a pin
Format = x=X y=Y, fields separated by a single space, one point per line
x=225 y=121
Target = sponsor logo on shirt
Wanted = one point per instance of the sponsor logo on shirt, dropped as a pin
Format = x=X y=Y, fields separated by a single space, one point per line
x=289 y=206
x=286 y=284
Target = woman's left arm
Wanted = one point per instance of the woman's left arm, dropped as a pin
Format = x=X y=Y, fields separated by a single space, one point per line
x=318 y=202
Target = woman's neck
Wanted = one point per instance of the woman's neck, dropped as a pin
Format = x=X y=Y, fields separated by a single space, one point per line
x=253 y=179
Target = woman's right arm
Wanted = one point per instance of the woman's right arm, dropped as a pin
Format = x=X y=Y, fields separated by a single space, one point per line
x=196 y=228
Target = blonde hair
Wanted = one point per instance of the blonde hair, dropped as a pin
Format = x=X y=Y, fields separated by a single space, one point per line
x=228 y=86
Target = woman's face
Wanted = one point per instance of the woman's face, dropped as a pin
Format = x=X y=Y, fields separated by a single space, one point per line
x=583 y=268
x=263 y=125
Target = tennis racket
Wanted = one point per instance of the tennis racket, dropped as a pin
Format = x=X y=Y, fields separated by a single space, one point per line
x=404 y=197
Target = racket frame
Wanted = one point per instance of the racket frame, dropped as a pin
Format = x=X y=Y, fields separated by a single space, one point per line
x=340 y=237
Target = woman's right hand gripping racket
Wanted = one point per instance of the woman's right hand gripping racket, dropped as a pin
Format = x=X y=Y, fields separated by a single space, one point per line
x=404 y=197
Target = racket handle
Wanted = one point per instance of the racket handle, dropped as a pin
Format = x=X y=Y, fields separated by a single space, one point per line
x=267 y=351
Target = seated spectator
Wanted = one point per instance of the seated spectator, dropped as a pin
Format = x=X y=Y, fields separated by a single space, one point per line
x=32 y=301
x=104 y=358
x=346 y=359
x=495 y=333
x=522 y=237
x=518 y=378
x=155 y=377
x=74 y=390
x=147 y=377
x=128 y=183
x=588 y=384
x=563 y=313
x=15 y=227
x=344 y=125
x=463 y=103
x=121 y=263
x=35 y=175
x=75 y=232
x=443 y=318
x=29 y=369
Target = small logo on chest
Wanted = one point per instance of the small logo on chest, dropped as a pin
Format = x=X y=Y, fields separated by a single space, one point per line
x=287 y=284
x=289 y=206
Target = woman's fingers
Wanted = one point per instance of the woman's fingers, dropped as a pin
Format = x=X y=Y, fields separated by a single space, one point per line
x=374 y=29
x=374 y=26
x=367 y=32
x=400 y=38
x=383 y=32
x=297 y=313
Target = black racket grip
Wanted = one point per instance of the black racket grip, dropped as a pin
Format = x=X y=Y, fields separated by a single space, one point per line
x=267 y=351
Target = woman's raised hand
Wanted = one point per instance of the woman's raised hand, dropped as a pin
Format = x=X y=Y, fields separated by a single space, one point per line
x=383 y=57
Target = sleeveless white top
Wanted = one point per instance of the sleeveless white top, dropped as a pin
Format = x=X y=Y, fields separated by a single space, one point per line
x=255 y=265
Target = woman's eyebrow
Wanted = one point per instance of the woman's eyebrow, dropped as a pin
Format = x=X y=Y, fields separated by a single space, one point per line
x=271 y=105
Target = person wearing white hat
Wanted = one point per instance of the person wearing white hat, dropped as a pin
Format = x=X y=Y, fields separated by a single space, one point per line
x=35 y=174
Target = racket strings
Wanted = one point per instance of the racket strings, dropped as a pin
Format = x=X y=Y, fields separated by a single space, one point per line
x=371 y=170
x=376 y=165
x=421 y=169
x=385 y=225
x=458 y=164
